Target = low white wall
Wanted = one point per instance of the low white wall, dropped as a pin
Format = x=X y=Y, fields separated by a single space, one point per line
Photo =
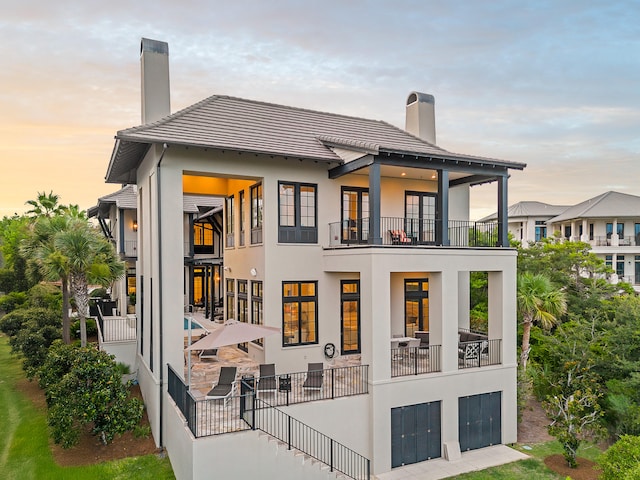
x=150 y=389
x=179 y=442
x=124 y=352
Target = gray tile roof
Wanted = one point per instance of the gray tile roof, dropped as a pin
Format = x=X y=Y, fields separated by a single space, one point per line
x=606 y=205
x=529 y=209
x=125 y=198
x=230 y=123
x=199 y=203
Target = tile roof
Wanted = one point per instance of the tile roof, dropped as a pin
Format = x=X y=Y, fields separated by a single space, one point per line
x=230 y=123
x=200 y=203
x=607 y=205
x=529 y=209
x=125 y=198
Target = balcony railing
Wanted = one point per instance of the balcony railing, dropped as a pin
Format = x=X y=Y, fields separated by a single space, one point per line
x=413 y=231
x=479 y=353
x=131 y=248
x=415 y=360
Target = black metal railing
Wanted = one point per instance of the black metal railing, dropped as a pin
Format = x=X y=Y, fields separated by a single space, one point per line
x=415 y=360
x=479 y=353
x=414 y=231
x=217 y=416
x=183 y=398
x=300 y=436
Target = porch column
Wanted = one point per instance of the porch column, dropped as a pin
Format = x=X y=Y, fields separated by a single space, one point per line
x=442 y=209
x=374 y=204
x=503 y=206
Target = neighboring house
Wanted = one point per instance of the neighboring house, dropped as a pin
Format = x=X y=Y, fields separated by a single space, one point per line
x=342 y=232
x=116 y=214
x=528 y=220
x=610 y=223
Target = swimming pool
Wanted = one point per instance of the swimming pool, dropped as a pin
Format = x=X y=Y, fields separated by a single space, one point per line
x=194 y=324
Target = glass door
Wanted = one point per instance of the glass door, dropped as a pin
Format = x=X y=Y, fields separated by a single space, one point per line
x=416 y=306
x=350 y=316
x=355 y=207
x=420 y=215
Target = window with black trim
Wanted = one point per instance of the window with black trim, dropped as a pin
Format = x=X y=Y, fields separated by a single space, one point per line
x=416 y=305
x=256 y=307
x=229 y=221
x=256 y=213
x=299 y=313
x=350 y=316
x=297 y=213
x=230 y=298
x=242 y=208
x=620 y=265
x=202 y=237
x=541 y=230
x=243 y=308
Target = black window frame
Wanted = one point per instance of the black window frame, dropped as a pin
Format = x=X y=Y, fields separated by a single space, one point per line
x=350 y=297
x=200 y=243
x=241 y=215
x=229 y=223
x=230 y=294
x=257 y=309
x=299 y=299
x=297 y=233
x=257 y=211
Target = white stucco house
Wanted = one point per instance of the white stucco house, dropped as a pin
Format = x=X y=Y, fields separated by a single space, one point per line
x=528 y=220
x=341 y=231
x=610 y=223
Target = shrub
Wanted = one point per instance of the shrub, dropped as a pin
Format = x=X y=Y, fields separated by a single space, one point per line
x=92 y=328
x=89 y=392
x=99 y=293
x=45 y=296
x=12 y=301
x=621 y=459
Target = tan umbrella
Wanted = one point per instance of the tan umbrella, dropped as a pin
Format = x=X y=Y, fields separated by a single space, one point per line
x=231 y=333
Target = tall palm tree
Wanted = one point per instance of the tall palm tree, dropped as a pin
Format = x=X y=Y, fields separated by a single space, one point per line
x=538 y=302
x=92 y=259
x=44 y=205
x=51 y=263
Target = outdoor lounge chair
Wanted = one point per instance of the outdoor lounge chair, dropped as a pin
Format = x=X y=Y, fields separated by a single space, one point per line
x=267 y=381
x=209 y=353
x=315 y=376
x=225 y=387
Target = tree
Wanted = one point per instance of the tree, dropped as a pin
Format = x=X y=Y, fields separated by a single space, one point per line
x=622 y=459
x=45 y=205
x=91 y=258
x=538 y=302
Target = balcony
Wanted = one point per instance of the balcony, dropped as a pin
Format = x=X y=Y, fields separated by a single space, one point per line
x=403 y=232
x=130 y=248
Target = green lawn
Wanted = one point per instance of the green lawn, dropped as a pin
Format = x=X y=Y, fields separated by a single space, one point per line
x=24 y=444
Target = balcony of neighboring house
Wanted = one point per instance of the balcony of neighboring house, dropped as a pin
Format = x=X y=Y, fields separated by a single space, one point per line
x=407 y=232
x=130 y=249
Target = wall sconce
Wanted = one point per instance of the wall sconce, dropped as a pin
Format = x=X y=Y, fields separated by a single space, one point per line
x=135 y=225
x=253 y=272
x=226 y=269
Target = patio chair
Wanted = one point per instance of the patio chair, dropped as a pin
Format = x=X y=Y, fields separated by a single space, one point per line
x=469 y=354
x=315 y=376
x=209 y=353
x=225 y=387
x=267 y=382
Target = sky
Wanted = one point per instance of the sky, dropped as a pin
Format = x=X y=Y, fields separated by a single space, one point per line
x=553 y=84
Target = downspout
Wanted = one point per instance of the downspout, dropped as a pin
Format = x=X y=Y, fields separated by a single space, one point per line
x=159 y=189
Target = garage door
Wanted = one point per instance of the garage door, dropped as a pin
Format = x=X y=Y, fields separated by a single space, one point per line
x=479 y=420
x=415 y=433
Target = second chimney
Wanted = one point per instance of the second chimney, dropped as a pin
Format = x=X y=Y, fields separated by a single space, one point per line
x=154 y=65
x=420 y=119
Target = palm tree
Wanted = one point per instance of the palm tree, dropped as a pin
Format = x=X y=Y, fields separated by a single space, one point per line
x=45 y=205
x=538 y=302
x=92 y=259
x=51 y=264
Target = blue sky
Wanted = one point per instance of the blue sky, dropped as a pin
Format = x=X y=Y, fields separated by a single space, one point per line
x=554 y=84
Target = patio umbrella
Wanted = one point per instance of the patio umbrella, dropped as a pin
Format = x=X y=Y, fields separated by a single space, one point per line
x=233 y=332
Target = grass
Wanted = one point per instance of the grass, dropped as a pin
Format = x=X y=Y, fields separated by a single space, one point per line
x=24 y=441
x=532 y=468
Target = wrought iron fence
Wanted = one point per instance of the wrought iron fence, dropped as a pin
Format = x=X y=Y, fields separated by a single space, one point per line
x=479 y=353
x=415 y=360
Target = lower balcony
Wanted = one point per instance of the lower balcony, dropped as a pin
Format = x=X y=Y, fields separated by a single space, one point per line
x=406 y=232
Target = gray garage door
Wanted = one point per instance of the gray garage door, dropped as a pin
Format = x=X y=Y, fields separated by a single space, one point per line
x=479 y=420
x=415 y=433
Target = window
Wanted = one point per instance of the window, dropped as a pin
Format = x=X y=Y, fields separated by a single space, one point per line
x=230 y=298
x=229 y=221
x=297 y=213
x=608 y=260
x=637 y=269
x=198 y=290
x=620 y=230
x=256 y=214
x=355 y=215
x=416 y=309
x=579 y=231
x=636 y=233
x=202 y=237
x=567 y=231
x=256 y=307
x=620 y=265
x=243 y=308
x=299 y=313
x=241 y=219
x=609 y=230
x=591 y=231
x=131 y=281
x=350 y=316
x=541 y=230
x=420 y=216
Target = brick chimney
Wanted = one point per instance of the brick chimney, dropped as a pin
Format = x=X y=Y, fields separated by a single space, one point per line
x=420 y=116
x=154 y=65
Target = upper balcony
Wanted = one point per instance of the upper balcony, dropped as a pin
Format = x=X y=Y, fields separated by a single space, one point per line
x=405 y=232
